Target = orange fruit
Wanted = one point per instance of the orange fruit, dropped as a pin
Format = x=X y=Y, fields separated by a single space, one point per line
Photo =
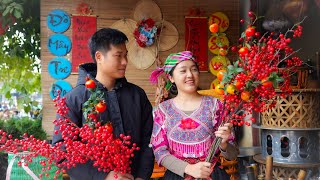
x=231 y=89
x=219 y=89
x=223 y=52
x=221 y=74
x=238 y=85
x=245 y=95
x=266 y=83
x=242 y=51
x=214 y=28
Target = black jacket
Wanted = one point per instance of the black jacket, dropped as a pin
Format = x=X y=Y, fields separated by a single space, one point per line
x=130 y=112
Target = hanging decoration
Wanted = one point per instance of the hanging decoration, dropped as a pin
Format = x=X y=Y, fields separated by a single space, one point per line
x=59 y=68
x=58 y=21
x=84 y=9
x=221 y=19
x=196 y=33
x=83 y=27
x=145 y=32
x=216 y=62
x=60 y=86
x=149 y=36
x=196 y=12
x=217 y=42
x=59 y=44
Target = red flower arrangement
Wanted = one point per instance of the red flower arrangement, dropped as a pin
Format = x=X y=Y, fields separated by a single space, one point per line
x=264 y=66
x=145 y=32
x=94 y=141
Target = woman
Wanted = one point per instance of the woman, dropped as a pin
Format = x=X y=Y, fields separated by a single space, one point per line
x=186 y=125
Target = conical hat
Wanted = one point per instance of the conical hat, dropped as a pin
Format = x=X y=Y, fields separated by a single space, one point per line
x=147 y=9
x=141 y=58
x=127 y=26
x=169 y=36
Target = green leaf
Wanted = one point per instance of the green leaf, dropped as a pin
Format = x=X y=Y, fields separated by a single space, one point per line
x=5 y=12
x=8 y=95
x=6 y=1
x=27 y=108
x=256 y=83
x=249 y=85
x=243 y=35
x=239 y=70
x=17 y=14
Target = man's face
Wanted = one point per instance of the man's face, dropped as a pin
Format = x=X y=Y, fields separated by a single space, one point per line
x=114 y=62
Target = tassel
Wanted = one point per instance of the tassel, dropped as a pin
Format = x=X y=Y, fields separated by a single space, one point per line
x=155 y=74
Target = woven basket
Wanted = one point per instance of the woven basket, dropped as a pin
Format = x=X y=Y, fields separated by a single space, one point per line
x=284 y=173
x=299 y=110
x=19 y=173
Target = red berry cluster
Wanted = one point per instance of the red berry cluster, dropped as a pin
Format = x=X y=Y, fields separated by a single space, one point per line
x=297 y=32
x=264 y=66
x=93 y=141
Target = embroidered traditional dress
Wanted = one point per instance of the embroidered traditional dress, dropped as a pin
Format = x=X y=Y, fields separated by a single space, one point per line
x=182 y=135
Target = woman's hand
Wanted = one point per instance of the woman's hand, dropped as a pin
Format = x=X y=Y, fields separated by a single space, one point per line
x=224 y=132
x=199 y=170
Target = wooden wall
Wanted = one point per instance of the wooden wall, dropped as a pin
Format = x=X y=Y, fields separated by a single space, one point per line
x=109 y=11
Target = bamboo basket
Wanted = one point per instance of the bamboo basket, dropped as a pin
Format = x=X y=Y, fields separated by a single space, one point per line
x=299 y=110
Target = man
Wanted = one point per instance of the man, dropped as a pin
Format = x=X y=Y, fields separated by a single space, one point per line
x=128 y=108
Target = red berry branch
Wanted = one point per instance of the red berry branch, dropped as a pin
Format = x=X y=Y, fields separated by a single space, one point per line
x=94 y=141
x=264 y=66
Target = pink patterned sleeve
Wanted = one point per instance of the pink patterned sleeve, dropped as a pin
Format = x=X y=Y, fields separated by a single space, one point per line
x=159 y=139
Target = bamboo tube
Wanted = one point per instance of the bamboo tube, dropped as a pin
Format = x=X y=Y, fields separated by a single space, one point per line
x=301 y=175
x=269 y=166
x=250 y=173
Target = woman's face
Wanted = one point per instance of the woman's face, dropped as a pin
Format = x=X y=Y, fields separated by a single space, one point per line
x=186 y=76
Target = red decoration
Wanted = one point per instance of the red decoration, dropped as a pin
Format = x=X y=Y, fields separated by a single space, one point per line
x=82 y=29
x=250 y=83
x=145 y=32
x=84 y=8
x=93 y=141
x=196 y=39
x=194 y=11
x=188 y=123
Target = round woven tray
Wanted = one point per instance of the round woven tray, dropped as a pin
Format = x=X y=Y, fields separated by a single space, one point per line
x=147 y=9
x=141 y=58
x=169 y=36
x=127 y=26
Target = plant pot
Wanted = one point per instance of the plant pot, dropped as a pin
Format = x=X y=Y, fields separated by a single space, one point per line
x=30 y=172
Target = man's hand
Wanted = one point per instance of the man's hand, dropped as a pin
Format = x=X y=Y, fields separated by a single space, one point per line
x=112 y=175
x=199 y=170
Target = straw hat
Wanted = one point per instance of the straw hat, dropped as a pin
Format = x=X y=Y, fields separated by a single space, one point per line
x=169 y=36
x=127 y=26
x=147 y=9
x=141 y=58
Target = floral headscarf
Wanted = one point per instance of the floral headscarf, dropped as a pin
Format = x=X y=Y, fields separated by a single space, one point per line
x=171 y=61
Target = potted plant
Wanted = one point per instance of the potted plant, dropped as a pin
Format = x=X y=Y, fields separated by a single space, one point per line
x=9 y=161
